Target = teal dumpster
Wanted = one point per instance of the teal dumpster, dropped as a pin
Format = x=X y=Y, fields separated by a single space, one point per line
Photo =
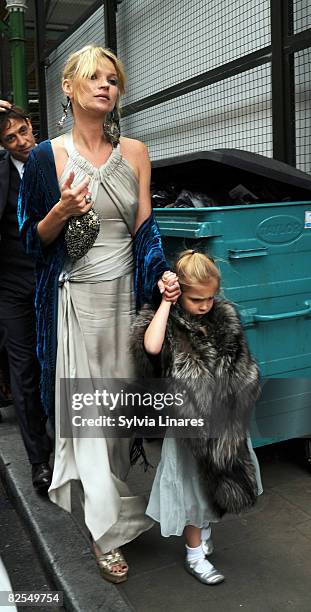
x=264 y=253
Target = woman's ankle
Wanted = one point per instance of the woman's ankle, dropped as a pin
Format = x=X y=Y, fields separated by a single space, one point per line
x=97 y=551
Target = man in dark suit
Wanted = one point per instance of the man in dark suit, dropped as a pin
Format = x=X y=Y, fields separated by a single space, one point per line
x=17 y=283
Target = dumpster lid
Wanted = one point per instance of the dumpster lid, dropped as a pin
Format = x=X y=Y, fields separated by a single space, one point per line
x=255 y=163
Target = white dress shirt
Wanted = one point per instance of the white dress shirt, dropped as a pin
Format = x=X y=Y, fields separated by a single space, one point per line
x=19 y=165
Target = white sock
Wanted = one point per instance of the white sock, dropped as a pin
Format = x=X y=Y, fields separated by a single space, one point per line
x=196 y=555
x=206 y=532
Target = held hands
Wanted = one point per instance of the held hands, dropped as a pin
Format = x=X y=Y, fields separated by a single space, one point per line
x=169 y=287
x=74 y=201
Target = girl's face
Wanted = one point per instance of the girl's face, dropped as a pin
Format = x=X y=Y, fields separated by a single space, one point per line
x=100 y=91
x=198 y=299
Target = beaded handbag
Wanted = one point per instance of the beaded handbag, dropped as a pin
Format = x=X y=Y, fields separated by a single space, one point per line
x=81 y=233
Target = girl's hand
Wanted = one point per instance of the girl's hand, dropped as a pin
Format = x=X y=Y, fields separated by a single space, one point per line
x=73 y=200
x=169 y=287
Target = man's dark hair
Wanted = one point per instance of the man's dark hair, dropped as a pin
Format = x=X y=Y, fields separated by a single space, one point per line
x=15 y=112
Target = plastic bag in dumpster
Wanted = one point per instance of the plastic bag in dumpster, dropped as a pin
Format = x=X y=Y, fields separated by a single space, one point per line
x=227 y=177
x=165 y=196
x=189 y=199
x=171 y=197
x=241 y=195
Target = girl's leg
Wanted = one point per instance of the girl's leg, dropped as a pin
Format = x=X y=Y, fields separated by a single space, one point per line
x=196 y=536
x=193 y=536
x=195 y=562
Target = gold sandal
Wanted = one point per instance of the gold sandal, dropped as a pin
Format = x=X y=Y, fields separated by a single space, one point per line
x=107 y=561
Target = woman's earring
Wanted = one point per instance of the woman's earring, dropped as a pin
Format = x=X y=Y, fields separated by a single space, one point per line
x=66 y=107
x=112 y=127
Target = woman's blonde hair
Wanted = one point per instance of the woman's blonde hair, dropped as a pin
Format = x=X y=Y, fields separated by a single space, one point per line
x=193 y=268
x=82 y=64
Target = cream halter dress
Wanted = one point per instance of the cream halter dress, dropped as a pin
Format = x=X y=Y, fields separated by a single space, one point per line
x=95 y=311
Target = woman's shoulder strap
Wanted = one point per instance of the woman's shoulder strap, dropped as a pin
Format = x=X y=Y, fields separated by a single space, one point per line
x=68 y=143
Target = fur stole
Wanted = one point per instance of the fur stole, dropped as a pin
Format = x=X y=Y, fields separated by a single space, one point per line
x=210 y=355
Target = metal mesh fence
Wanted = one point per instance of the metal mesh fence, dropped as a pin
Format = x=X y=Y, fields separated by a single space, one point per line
x=303 y=109
x=302 y=15
x=166 y=43
x=234 y=113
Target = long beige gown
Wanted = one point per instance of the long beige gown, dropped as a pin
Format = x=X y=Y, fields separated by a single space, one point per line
x=95 y=312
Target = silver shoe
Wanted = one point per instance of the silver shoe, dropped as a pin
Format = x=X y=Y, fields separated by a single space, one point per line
x=209 y=577
x=207 y=546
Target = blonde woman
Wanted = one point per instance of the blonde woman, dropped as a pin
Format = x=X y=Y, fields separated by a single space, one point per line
x=88 y=302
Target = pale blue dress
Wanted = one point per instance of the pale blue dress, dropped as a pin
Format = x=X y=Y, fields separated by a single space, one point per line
x=177 y=498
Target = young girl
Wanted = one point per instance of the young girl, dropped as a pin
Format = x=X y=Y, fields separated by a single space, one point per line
x=200 y=341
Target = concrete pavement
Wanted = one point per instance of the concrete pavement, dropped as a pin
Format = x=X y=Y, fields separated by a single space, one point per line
x=18 y=554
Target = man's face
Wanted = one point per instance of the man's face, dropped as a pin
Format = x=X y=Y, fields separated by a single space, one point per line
x=18 y=138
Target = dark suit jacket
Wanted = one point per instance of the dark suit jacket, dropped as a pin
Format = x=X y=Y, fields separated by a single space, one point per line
x=4 y=180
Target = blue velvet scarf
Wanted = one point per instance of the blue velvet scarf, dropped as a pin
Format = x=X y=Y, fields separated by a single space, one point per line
x=39 y=192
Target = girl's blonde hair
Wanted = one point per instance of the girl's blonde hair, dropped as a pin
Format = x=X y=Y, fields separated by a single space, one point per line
x=82 y=64
x=193 y=268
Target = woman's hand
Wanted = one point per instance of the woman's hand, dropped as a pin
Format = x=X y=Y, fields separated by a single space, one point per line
x=169 y=287
x=74 y=201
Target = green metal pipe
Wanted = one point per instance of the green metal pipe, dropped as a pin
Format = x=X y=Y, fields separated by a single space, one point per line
x=4 y=29
x=17 y=47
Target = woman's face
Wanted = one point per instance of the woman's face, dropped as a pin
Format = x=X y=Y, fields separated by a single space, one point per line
x=100 y=92
x=199 y=299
